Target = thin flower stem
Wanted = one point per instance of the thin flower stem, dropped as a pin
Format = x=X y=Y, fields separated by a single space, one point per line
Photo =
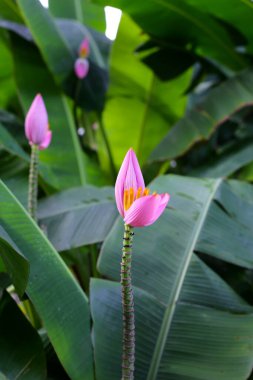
x=128 y=356
x=32 y=209
x=75 y=105
x=33 y=182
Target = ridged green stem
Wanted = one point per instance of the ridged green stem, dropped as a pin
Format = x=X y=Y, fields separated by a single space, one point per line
x=32 y=209
x=33 y=182
x=128 y=356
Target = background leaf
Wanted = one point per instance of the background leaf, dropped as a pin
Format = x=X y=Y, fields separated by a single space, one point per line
x=203 y=339
x=8 y=143
x=85 y=12
x=16 y=265
x=163 y=21
x=227 y=162
x=78 y=216
x=154 y=105
x=173 y=275
x=202 y=121
x=21 y=351
x=62 y=305
x=237 y=14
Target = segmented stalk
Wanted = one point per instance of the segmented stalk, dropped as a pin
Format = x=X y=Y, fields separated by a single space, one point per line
x=32 y=209
x=33 y=182
x=128 y=356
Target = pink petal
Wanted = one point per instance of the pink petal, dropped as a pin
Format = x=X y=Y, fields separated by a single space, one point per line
x=36 y=121
x=81 y=68
x=163 y=203
x=46 y=141
x=130 y=175
x=146 y=210
x=84 y=49
x=134 y=177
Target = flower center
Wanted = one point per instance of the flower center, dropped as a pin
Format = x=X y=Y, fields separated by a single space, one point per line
x=130 y=196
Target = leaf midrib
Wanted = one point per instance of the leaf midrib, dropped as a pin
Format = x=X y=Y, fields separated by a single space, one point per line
x=170 y=309
x=78 y=10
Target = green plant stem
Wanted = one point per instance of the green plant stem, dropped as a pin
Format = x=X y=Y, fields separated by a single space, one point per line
x=128 y=356
x=32 y=209
x=33 y=182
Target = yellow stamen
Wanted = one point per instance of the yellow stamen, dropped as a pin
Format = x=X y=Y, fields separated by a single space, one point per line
x=154 y=193
x=130 y=196
x=125 y=199
x=139 y=192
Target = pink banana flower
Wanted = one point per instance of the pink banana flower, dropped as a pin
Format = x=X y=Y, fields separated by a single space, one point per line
x=137 y=207
x=81 y=67
x=36 y=124
x=82 y=64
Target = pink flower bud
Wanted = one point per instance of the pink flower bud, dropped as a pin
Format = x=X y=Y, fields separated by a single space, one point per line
x=81 y=67
x=84 y=49
x=137 y=207
x=36 y=124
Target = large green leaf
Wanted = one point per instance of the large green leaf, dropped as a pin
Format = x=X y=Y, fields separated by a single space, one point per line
x=201 y=122
x=60 y=55
x=10 y=165
x=43 y=29
x=16 y=159
x=84 y=11
x=181 y=25
x=10 y=11
x=243 y=190
x=154 y=105
x=165 y=266
x=6 y=72
x=8 y=143
x=237 y=13
x=230 y=160
x=68 y=9
x=203 y=338
x=16 y=265
x=58 y=299
x=3 y=377
x=78 y=216
x=21 y=350
x=232 y=240
x=18 y=184
x=14 y=164
x=62 y=164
